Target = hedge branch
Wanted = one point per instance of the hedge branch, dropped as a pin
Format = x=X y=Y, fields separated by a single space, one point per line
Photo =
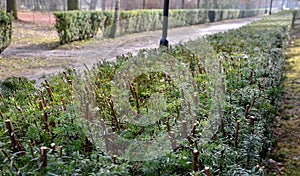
x=1 y=96
x=207 y=171
x=15 y=143
x=114 y=114
x=9 y=158
x=1 y=115
x=173 y=139
x=31 y=148
x=50 y=93
x=195 y=160
x=247 y=111
x=49 y=90
x=43 y=154
x=52 y=146
x=114 y=159
x=236 y=134
x=184 y=129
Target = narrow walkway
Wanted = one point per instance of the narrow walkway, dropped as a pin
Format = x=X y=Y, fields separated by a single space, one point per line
x=286 y=155
x=32 y=53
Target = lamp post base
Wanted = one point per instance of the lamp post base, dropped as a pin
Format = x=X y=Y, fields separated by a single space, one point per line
x=164 y=42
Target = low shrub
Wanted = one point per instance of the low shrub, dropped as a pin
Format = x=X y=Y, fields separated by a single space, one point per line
x=249 y=65
x=147 y=20
x=5 y=30
x=79 y=25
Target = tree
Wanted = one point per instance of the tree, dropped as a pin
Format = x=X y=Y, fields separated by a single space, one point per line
x=271 y=4
x=198 y=4
x=73 y=5
x=103 y=5
x=11 y=7
x=206 y=3
x=92 y=4
x=182 y=4
x=229 y=4
x=215 y=4
x=144 y=4
x=115 y=22
x=40 y=5
x=244 y=4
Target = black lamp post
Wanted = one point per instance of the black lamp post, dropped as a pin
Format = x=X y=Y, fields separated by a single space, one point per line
x=271 y=4
x=163 y=40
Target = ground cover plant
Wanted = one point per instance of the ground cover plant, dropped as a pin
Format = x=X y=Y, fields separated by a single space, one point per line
x=51 y=129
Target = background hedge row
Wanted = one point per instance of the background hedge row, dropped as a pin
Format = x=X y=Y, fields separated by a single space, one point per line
x=79 y=25
x=5 y=30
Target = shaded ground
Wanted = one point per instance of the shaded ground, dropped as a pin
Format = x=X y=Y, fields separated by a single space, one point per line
x=37 y=17
x=35 y=50
x=286 y=154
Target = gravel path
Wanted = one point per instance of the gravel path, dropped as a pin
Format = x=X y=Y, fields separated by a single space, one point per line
x=52 y=58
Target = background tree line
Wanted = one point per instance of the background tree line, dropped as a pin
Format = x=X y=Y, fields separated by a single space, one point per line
x=54 y=5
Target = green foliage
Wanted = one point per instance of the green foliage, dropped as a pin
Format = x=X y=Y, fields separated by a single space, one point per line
x=72 y=5
x=79 y=25
x=5 y=30
x=252 y=60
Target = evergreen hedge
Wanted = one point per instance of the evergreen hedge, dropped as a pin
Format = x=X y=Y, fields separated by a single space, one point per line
x=251 y=61
x=5 y=30
x=79 y=25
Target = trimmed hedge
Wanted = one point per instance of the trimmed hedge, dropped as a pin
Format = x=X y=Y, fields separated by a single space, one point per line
x=251 y=60
x=78 y=25
x=5 y=30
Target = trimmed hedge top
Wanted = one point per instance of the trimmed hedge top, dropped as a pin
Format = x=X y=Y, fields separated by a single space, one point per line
x=79 y=25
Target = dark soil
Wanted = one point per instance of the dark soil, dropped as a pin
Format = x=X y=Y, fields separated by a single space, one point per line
x=285 y=158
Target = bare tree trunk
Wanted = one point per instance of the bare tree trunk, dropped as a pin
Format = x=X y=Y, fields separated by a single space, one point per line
x=235 y=4
x=116 y=17
x=182 y=4
x=64 y=4
x=73 y=5
x=271 y=4
x=259 y=4
x=198 y=4
x=248 y=5
x=215 y=3
x=206 y=4
x=144 y=4
x=40 y=5
x=103 y=4
x=93 y=5
x=11 y=7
